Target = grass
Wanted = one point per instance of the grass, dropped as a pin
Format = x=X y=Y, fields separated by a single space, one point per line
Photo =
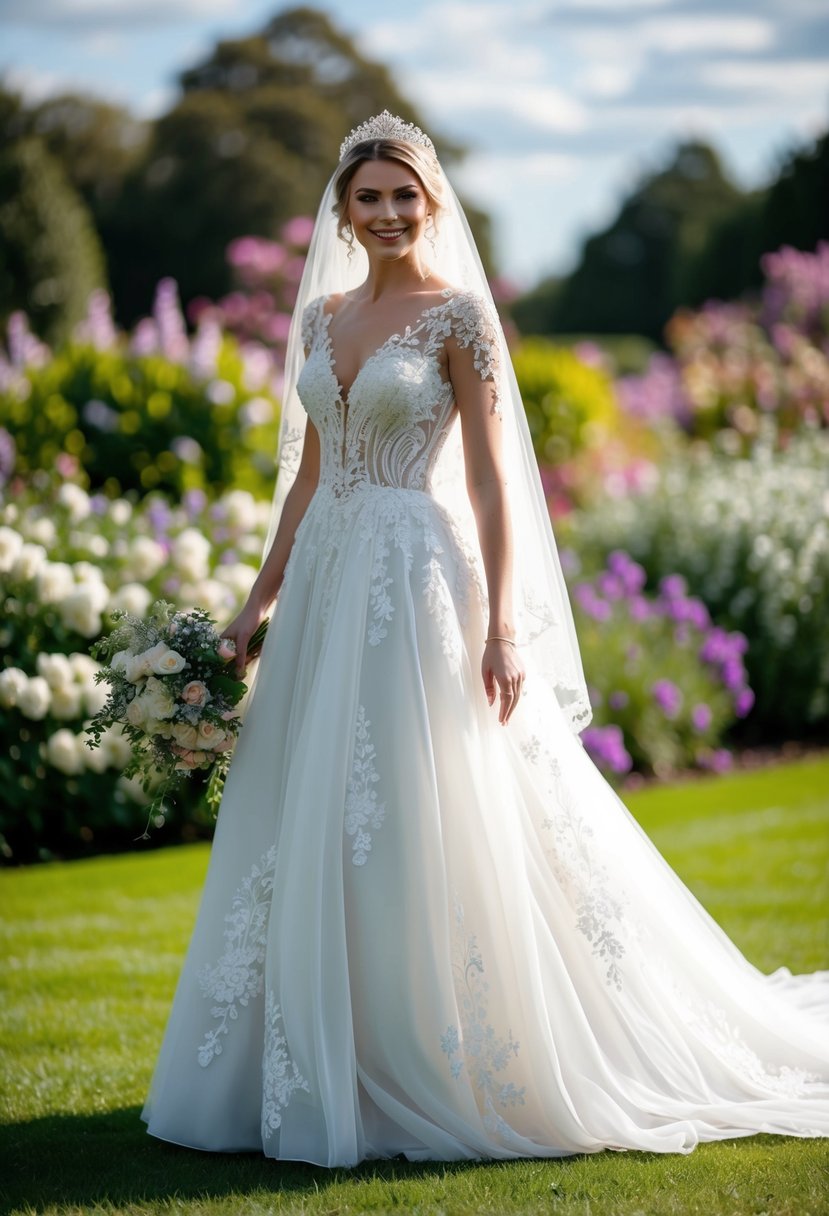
x=92 y=951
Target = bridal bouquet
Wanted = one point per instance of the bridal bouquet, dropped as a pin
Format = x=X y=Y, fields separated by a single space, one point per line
x=175 y=696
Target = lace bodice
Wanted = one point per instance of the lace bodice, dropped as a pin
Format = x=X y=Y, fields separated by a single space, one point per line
x=391 y=425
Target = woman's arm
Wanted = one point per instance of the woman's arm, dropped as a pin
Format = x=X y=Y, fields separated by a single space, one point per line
x=269 y=579
x=486 y=485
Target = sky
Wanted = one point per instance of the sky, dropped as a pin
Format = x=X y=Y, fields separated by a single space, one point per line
x=564 y=103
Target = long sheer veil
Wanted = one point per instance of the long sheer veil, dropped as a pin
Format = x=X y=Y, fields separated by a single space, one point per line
x=543 y=615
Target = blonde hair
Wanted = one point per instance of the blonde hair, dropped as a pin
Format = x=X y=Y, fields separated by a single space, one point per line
x=413 y=156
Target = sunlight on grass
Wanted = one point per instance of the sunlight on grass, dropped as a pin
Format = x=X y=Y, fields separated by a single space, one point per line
x=92 y=951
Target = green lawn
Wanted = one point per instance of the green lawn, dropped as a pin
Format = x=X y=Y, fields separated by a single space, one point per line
x=91 y=956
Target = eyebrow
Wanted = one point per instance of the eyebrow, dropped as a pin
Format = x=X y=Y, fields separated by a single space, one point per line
x=374 y=190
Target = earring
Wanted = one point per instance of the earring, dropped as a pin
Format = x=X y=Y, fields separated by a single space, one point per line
x=431 y=239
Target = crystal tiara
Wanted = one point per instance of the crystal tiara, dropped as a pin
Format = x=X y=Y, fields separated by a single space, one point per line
x=386 y=126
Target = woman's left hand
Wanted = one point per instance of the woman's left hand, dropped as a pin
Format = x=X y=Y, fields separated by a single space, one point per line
x=502 y=666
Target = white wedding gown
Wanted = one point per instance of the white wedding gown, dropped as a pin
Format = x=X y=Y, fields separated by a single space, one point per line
x=424 y=933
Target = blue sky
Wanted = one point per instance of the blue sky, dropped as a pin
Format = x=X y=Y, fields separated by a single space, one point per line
x=565 y=102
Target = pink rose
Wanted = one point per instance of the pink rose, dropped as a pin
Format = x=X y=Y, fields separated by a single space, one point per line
x=195 y=693
x=230 y=714
x=226 y=649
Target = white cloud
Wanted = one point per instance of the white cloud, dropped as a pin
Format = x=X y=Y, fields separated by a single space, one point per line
x=78 y=15
x=793 y=79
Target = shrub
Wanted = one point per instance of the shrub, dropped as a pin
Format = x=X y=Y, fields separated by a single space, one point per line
x=665 y=682
x=67 y=560
x=160 y=411
x=751 y=536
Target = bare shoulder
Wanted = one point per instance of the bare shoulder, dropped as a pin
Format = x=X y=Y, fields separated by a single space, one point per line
x=331 y=303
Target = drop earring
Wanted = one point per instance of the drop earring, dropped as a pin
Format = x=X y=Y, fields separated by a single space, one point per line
x=431 y=239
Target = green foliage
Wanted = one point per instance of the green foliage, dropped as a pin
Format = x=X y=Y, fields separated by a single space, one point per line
x=250 y=144
x=50 y=256
x=144 y=422
x=751 y=539
x=569 y=405
x=790 y=211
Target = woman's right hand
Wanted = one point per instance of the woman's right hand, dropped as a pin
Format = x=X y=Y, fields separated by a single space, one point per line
x=240 y=630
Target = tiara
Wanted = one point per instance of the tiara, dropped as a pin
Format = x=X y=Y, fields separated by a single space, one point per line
x=386 y=126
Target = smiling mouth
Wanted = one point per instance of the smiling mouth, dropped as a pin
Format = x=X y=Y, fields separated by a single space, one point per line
x=391 y=235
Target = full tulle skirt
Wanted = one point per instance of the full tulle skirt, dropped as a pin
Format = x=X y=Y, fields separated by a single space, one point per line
x=424 y=933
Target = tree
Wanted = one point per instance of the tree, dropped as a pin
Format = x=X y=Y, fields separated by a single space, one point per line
x=50 y=256
x=251 y=143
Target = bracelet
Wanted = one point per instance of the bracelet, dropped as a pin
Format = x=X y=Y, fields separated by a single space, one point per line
x=497 y=639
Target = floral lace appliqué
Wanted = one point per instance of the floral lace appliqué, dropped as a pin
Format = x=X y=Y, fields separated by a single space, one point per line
x=475 y=1043
x=280 y=1075
x=599 y=915
x=361 y=804
x=238 y=976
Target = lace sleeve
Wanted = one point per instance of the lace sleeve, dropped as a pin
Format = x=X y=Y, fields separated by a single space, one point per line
x=308 y=322
x=473 y=323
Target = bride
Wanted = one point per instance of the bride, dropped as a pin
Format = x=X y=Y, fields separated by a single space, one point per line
x=429 y=926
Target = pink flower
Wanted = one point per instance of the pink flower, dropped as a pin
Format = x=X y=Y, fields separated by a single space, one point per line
x=195 y=693
x=226 y=649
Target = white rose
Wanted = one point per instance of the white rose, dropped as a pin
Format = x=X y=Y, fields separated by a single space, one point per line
x=158 y=700
x=81 y=610
x=136 y=713
x=238 y=576
x=133 y=598
x=145 y=558
x=88 y=572
x=241 y=509
x=12 y=682
x=94 y=696
x=117 y=747
x=54 y=581
x=214 y=596
x=169 y=663
x=120 y=511
x=190 y=553
x=62 y=752
x=55 y=669
x=83 y=666
x=120 y=660
x=75 y=499
x=67 y=701
x=155 y=726
x=11 y=543
x=34 y=698
x=29 y=562
x=142 y=664
x=42 y=531
x=185 y=735
x=95 y=759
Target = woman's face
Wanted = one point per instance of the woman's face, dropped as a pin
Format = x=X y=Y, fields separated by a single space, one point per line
x=388 y=208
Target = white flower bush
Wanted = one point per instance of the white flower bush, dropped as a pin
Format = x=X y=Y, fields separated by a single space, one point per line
x=68 y=560
x=751 y=536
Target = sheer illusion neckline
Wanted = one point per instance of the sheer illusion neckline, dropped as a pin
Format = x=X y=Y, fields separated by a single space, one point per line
x=343 y=395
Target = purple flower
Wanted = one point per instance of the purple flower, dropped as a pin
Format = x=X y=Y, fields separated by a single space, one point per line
x=639 y=608
x=743 y=702
x=719 y=760
x=701 y=716
x=618 y=699
x=610 y=585
x=194 y=502
x=673 y=586
x=631 y=574
x=605 y=745
x=667 y=696
x=681 y=634
x=98 y=329
x=591 y=603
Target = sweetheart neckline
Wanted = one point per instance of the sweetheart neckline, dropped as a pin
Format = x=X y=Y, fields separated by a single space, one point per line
x=344 y=398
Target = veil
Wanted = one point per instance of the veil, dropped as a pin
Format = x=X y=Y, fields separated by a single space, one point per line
x=545 y=630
